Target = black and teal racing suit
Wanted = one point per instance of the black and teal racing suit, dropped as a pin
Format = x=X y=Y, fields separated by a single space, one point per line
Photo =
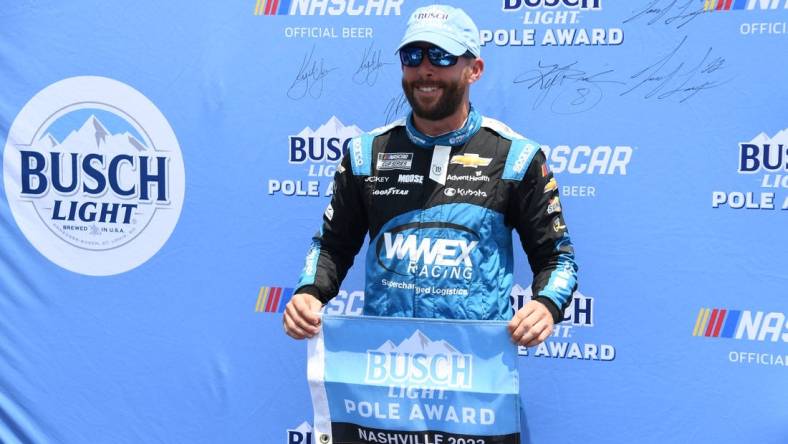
x=441 y=241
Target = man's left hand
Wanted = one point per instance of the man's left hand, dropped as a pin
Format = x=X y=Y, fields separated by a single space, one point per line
x=531 y=325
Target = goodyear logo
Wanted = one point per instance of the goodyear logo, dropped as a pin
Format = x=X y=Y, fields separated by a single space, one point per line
x=741 y=324
x=273 y=299
x=728 y=5
x=324 y=7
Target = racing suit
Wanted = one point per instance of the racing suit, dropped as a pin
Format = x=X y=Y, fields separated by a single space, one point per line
x=440 y=213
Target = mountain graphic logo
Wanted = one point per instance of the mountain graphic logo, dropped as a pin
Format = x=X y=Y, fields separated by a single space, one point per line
x=325 y=144
x=419 y=361
x=332 y=128
x=93 y=135
x=764 y=154
x=94 y=175
x=780 y=137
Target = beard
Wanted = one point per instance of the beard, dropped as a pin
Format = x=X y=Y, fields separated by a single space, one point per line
x=448 y=103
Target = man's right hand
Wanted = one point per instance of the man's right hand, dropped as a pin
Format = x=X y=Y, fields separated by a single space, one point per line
x=301 y=316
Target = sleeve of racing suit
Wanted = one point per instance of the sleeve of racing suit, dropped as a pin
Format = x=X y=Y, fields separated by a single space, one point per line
x=537 y=216
x=340 y=237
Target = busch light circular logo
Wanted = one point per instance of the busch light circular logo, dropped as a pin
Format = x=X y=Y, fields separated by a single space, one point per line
x=93 y=175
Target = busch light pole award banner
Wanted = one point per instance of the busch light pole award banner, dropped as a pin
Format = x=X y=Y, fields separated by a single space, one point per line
x=415 y=381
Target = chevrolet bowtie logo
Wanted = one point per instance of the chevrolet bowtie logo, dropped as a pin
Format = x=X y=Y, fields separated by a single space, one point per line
x=551 y=186
x=470 y=160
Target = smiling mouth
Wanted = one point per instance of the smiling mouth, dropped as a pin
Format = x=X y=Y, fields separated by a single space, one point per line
x=428 y=90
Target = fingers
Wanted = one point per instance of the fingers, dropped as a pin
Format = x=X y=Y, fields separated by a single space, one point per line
x=301 y=319
x=293 y=330
x=544 y=332
x=531 y=325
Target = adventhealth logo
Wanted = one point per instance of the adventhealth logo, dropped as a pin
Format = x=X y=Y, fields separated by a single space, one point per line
x=419 y=361
x=741 y=324
x=328 y=7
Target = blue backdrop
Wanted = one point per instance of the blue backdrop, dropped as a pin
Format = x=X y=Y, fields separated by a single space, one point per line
x=166 y=163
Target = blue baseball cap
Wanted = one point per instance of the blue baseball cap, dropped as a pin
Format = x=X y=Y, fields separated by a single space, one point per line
x=445 y=26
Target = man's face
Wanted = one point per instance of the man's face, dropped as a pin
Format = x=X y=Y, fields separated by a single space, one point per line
x=435 y=92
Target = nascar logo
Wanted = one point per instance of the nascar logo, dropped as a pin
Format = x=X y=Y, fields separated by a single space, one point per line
x=727 y=5
x=741 y=324
x=395 y=161
x=321 y=7
x=273 y=299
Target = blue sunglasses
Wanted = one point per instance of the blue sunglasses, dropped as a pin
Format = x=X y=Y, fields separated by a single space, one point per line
x=411 y=56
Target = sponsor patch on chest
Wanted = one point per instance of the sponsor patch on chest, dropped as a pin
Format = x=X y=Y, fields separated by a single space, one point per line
x=470 y=160
x=395 y=161
x=411 y=178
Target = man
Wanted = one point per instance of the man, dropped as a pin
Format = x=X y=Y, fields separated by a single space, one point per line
x=439 y=194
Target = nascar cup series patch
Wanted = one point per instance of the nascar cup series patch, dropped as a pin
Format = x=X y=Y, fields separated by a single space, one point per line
x=416 y=381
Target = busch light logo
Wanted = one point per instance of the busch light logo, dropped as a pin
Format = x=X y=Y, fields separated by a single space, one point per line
x=93 y=175
x=514 y=5
x=432 y=249
x=419 y=361
x=579 y=312
x=300 y=435
x=320 y=151
x=566 y=341
x=326 y=144
x=764 y=154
